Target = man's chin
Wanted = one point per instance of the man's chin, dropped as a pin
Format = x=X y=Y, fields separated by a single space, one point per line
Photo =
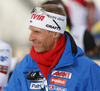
x=39 y=50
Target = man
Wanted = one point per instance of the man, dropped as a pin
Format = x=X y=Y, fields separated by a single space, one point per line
x=55 y=62
x=5 y=63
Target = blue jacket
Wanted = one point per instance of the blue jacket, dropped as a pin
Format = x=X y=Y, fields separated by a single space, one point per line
x=74 y=72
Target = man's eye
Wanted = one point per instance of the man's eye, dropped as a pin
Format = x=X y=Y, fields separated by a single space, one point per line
x=36 y=31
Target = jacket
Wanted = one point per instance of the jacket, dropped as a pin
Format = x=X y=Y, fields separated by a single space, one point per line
x=74 y=72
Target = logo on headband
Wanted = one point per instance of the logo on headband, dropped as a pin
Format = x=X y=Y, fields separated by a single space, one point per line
x=37 y=17
x=54 y=27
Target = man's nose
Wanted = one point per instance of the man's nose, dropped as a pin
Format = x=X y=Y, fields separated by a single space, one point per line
x=31 y=37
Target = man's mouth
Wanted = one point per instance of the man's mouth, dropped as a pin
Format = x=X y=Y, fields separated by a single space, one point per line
x=36 y=44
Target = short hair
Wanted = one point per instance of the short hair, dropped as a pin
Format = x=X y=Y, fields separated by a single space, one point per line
x=53 y=8
x=57 y=2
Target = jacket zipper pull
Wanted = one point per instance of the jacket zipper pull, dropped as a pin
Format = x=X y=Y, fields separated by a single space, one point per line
x=44 y=84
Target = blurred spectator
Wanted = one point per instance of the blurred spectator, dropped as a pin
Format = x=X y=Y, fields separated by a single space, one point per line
x=96 y=28
x=78 y=13
x=93 y=14
x=5 y=63
x=96 y=33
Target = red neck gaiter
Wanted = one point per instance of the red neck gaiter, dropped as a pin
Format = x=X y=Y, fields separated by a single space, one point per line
x=46 y=61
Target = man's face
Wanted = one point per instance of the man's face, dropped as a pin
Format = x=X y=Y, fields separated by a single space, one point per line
x=43 y=40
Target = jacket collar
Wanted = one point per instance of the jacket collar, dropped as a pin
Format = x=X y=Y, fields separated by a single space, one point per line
x=68 y=54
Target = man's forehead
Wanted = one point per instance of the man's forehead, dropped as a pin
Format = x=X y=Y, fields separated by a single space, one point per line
x=36 y=28
x=33 y=27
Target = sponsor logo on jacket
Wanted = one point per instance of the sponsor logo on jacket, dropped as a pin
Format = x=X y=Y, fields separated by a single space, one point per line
x=62 y=74
x=53 y=87
x=35 y=85
x=58 y=81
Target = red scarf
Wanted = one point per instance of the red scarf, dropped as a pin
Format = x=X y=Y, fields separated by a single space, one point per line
x=46 y=61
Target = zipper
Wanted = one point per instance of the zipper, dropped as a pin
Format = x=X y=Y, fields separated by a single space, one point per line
x=44 y=85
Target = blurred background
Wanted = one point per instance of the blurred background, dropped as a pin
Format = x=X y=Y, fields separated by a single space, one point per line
x=14 y=22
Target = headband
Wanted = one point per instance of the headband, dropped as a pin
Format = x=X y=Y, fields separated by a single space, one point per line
x=48 y=21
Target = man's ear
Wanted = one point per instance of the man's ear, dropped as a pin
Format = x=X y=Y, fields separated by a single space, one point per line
x=56 y=35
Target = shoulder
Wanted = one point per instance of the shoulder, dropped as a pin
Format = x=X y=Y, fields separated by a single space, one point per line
x=24 y=61
x=84 y=62
x=85 y=67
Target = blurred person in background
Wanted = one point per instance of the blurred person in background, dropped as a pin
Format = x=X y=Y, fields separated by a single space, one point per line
x=94 y=23
x=78 y=12
x=96 y=33
x=93 y=14
x=5 y=63
x=55 y=62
